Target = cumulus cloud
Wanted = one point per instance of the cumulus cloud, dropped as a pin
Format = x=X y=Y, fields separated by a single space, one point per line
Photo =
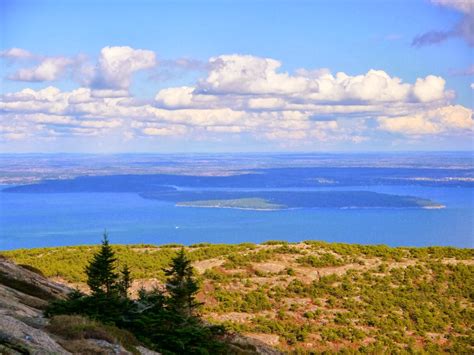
x=49 y=69
x=429 y=89
x=16 y=54
x=247 y=75
x=439 y=120
x=112 y=73
x=183 y=97
x=116 y=66
x=171 y=130
x=240 y=95
x=463 y=29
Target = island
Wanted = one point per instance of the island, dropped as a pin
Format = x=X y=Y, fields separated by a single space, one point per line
x=280 y=200
x=255 y=203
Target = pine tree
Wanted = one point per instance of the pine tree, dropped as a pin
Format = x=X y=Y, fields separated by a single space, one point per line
x=125 y=280
x=101 y=275
x=181 y=285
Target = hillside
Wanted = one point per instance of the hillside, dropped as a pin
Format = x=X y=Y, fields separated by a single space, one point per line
x=24 y=329
x=24 y=294
x=310 y=296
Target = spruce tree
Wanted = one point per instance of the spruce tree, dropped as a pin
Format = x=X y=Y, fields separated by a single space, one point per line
x=101 y=275
x=125 y=280
x=181 y=285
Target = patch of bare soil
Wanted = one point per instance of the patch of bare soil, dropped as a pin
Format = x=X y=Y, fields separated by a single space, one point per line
x=239 y=317
x=269 y=267
x=456 y=261
x=203 y=265
x=269 y=339
x=80 y=286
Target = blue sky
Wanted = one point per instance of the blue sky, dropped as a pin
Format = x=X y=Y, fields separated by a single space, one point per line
x=214 y=62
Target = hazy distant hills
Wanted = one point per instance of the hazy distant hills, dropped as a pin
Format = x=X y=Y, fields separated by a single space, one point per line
x=258 y=178
x=271 y=188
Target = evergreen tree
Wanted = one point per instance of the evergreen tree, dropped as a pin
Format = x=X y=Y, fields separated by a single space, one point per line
x=125 y=280
x=166 y=322
x=181 y=285
x=101 y=275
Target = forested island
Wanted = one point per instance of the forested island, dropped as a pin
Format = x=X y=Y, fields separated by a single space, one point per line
x=250 y=203
x=270 y=201
x=303 y=297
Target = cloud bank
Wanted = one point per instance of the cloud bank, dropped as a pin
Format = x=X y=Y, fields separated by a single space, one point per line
x=237 y=96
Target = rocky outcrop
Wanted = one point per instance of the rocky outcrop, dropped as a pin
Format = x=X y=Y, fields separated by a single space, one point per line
x=243 y=345
x=24 y=294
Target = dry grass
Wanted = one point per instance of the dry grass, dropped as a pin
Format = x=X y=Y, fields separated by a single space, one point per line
x=75 y=329
x=82 y=347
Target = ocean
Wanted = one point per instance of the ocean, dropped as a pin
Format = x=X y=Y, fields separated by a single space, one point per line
x=29 y=220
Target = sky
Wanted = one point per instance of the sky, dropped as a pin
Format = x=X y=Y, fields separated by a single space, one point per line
x=236 y=76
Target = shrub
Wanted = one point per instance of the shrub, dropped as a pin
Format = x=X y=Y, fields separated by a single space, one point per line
x=323 y=260
x=76 y=327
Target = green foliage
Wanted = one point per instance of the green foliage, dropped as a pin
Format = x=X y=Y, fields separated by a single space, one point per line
x=275 y=242
x=323 y=260
x=125 y=281
x=101 y=275
x=144 y=261
x=181 y=285
x=164 y=322
x=394 y=300
x=216 y=275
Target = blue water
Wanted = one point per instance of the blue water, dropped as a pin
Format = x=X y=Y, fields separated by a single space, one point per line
x=30 y=220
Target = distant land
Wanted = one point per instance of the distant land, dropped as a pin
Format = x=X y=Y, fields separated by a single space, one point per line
x=321 y=199
x=263 y=190
x=424 y=168
x=258 y=204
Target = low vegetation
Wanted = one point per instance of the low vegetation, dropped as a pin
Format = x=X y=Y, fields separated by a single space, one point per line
x=305 y=297
x=164 y=320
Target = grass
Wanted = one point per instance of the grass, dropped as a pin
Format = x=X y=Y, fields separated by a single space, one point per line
x=74 y=329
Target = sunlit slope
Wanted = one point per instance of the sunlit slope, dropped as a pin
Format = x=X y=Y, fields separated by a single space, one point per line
x=311 y=295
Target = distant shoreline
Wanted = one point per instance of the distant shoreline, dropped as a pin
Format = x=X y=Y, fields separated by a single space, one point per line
x=440 y=207
x=236 y=208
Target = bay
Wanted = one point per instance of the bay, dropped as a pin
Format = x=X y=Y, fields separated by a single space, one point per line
x=30 y=220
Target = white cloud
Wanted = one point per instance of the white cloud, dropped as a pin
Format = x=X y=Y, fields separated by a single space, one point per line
x=439 y=120
x=49 y=69
x=241 y=95
x=113 y=71
x=103 y=93
x=259 y=79
x=429 y=89
x=172 y=130
x=246 y=74
x=16 y=53
x=117 y=64
x=182 y=97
